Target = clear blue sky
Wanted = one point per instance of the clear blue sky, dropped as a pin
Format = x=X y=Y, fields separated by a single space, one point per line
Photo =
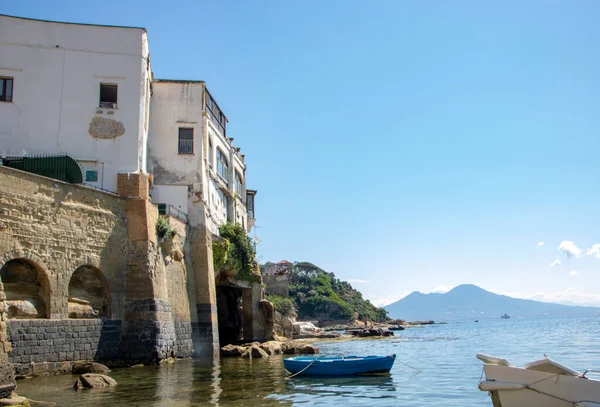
x=415 y=145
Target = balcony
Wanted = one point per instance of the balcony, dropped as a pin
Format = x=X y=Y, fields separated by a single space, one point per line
x=186 y=147
x=170 y=210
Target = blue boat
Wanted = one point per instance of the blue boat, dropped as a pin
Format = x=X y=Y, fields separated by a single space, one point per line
x=338 y=366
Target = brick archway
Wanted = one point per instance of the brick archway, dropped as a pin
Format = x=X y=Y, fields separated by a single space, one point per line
x=26 y=288
x=88 y=293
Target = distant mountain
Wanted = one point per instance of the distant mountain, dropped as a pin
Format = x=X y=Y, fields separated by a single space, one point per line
x=468 y=301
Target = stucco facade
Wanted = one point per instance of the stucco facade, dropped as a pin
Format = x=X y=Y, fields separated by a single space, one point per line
x=58 y=72
x=196 y=167
x=88 y=263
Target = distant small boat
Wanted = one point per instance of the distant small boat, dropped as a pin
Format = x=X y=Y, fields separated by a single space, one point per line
x=397 y=328
x=505 y=316
x=476 y=320
x=339 y=366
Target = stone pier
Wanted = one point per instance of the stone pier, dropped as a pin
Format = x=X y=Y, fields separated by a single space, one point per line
x=7 y=380
x=205 y=332
x=148 y=332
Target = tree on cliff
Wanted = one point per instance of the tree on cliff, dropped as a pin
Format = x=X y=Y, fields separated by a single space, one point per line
x=319 y=294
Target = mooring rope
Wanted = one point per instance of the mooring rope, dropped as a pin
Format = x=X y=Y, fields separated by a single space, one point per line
x=297 y=373
x=406 y=364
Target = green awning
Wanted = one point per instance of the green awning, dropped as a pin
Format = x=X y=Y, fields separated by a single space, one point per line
x=61 y=167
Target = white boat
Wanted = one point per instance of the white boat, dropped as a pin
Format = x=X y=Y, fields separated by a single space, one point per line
x=543 y=383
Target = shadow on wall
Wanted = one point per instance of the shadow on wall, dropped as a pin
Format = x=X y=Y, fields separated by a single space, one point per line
x=27 y=289
x=229 y=311
x=88 y=294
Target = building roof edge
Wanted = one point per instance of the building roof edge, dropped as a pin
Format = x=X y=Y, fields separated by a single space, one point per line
x=73 y=23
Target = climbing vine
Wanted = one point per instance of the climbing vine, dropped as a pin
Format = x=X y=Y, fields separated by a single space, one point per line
x=220 y=252
x=237 y=253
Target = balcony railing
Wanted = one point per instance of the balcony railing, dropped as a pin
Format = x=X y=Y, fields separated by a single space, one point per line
x=186 y=147
x=215 y=120
x=165 y=209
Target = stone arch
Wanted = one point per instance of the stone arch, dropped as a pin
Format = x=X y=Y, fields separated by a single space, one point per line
x=88 y=293
x=27 y=288
x=234 y=309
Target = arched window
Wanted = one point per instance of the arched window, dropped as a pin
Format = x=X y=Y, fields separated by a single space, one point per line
x=222 y=165
x=239 y=185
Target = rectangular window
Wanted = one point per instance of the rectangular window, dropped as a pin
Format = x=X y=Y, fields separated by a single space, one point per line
x=91 y=176
x=186 y=141
x=108 y=96
x=239 y=185
x=6 y=89
x=250 y=205
x=222 y=166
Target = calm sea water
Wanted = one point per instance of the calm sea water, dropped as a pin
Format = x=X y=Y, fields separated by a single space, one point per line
x=445 y=354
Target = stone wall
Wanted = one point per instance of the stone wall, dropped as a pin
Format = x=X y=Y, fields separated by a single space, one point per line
x=41 y=345
x=7 y=380
x=60 y=240
x=278 y=284
x=174 y=253
x=58 y=227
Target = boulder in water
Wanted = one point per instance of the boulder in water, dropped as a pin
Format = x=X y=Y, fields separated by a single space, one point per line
x=299 y=349
x=271 y=347
x=15 y=401
x=89 y=367
x=232 y=350
x=94 y=381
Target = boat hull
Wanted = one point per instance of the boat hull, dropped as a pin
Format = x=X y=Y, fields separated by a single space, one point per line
x=335 y=366
x=517 y=387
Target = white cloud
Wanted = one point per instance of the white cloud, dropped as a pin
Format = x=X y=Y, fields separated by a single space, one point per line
x=594 y=250
x=570 y=249
x=441 y=289
x=573 y=273
x=555 y=262
x=540 y=244
x=355 y=280
x=568 y=296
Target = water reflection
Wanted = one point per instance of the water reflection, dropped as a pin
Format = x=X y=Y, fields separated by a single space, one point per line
x=356 y=387
x=216 y=383
x=445 y=355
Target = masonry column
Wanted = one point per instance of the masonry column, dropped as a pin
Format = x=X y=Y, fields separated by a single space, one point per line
x=148 y=332
x=206 y=331
x=7 y=380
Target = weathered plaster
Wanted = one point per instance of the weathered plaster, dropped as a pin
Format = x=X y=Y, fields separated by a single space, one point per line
x=103 y=128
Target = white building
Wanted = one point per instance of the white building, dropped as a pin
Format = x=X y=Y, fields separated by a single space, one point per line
x=196 y=167
x=87 y=91
x=76 y=89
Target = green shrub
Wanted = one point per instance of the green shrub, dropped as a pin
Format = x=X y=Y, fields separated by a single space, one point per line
x=164 y=229
x=220 y=253
x=284 y=305
x=239 y=253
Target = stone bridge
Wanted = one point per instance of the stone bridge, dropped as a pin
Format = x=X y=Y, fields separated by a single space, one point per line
x=84 y=277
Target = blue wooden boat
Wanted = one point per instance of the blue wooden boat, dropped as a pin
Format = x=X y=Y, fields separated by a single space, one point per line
x=339 y=365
